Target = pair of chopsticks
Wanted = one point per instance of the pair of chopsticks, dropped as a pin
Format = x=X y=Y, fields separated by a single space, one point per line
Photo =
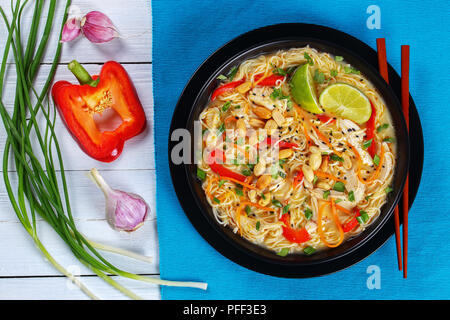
x=383 y=68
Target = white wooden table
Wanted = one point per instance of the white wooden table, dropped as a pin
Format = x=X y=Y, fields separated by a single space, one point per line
x=24 y=274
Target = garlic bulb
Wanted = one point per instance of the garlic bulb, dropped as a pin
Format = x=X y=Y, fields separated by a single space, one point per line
x=124 y=211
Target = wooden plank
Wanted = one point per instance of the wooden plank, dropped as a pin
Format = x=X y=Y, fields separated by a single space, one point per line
x=133 y=21
x=86 y=200
x=21 y=258
x=138 y=152
x=63 y=289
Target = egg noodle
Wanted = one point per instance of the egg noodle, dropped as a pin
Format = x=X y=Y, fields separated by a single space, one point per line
x=310 y=181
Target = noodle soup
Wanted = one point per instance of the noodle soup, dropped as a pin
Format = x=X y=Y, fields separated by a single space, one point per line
x=298 y=151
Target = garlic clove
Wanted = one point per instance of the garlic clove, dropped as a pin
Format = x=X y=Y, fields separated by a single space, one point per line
x=98 y=28
x=71 y=30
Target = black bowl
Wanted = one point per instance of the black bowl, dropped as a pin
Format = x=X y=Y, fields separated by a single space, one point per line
x=192 y=197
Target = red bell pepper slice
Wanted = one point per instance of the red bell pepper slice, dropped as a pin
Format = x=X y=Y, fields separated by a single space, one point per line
x=282 y=144
x=225 y=88
x=293 y=235
x=352 y=223
x=77 y=105
x=370 y=131
x=220 y=169
x=298 y=178
x=324 y=118
x=269 y=81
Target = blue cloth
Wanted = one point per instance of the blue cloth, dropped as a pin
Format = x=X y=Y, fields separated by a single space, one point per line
x=187 y=32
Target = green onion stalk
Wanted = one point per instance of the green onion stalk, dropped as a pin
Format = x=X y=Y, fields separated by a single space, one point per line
x=38 y=190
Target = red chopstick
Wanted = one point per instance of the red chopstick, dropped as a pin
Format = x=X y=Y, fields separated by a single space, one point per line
x=405 y=108
x=383 y=67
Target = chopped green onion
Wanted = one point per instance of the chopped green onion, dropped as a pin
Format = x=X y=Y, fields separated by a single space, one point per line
x=308 y=213
x=315 y=179
x=308 y=59
x=368 y=197
x=339 y=58
x=221 y=129
x=226 y=106
x=237 y=107
x=278 y=94
x=277 y=203
x=337 y=201
x=376 y=160
x=247 y=172
x=278 y=71
x=339 y=186
x=335 y=157
x=239 y=192
x=309 y=250
x=222 y=77
x=258 y=225
x=367 y=144
x=333 y=73
x=248 y=210
x=319 y=77
x=263 y=196
x=326 y=194
x=389 y=140
x=348 y=69
x=284 y=252
x=382 y=127
x=351 y=196
x=232 y=73
x=221 y=182
x=282 y=174
x=201 y=174
x=286 y=208
x=388 y=190
x=216 y=200
x=364 y=216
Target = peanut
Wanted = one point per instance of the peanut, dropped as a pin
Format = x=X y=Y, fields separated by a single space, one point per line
x=262 y=112
x=263 y=182
x=285 y=153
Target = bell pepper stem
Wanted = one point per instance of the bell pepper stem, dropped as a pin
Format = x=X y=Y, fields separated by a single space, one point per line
x=81 y=74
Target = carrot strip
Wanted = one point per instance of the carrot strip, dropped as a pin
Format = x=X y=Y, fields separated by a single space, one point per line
x=343 y=209
x=239 y=182
x=321 y=174
x=324 y=139
x=337 y=223
x=208 y=187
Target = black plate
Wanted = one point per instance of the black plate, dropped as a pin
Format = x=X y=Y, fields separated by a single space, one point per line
x=195 y=97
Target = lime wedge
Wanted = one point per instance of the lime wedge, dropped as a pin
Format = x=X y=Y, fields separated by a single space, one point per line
x=344 y=100
x=303 y=90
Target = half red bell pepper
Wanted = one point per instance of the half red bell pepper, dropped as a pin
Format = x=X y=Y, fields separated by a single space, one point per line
x=78 y=104
x=293 y=235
